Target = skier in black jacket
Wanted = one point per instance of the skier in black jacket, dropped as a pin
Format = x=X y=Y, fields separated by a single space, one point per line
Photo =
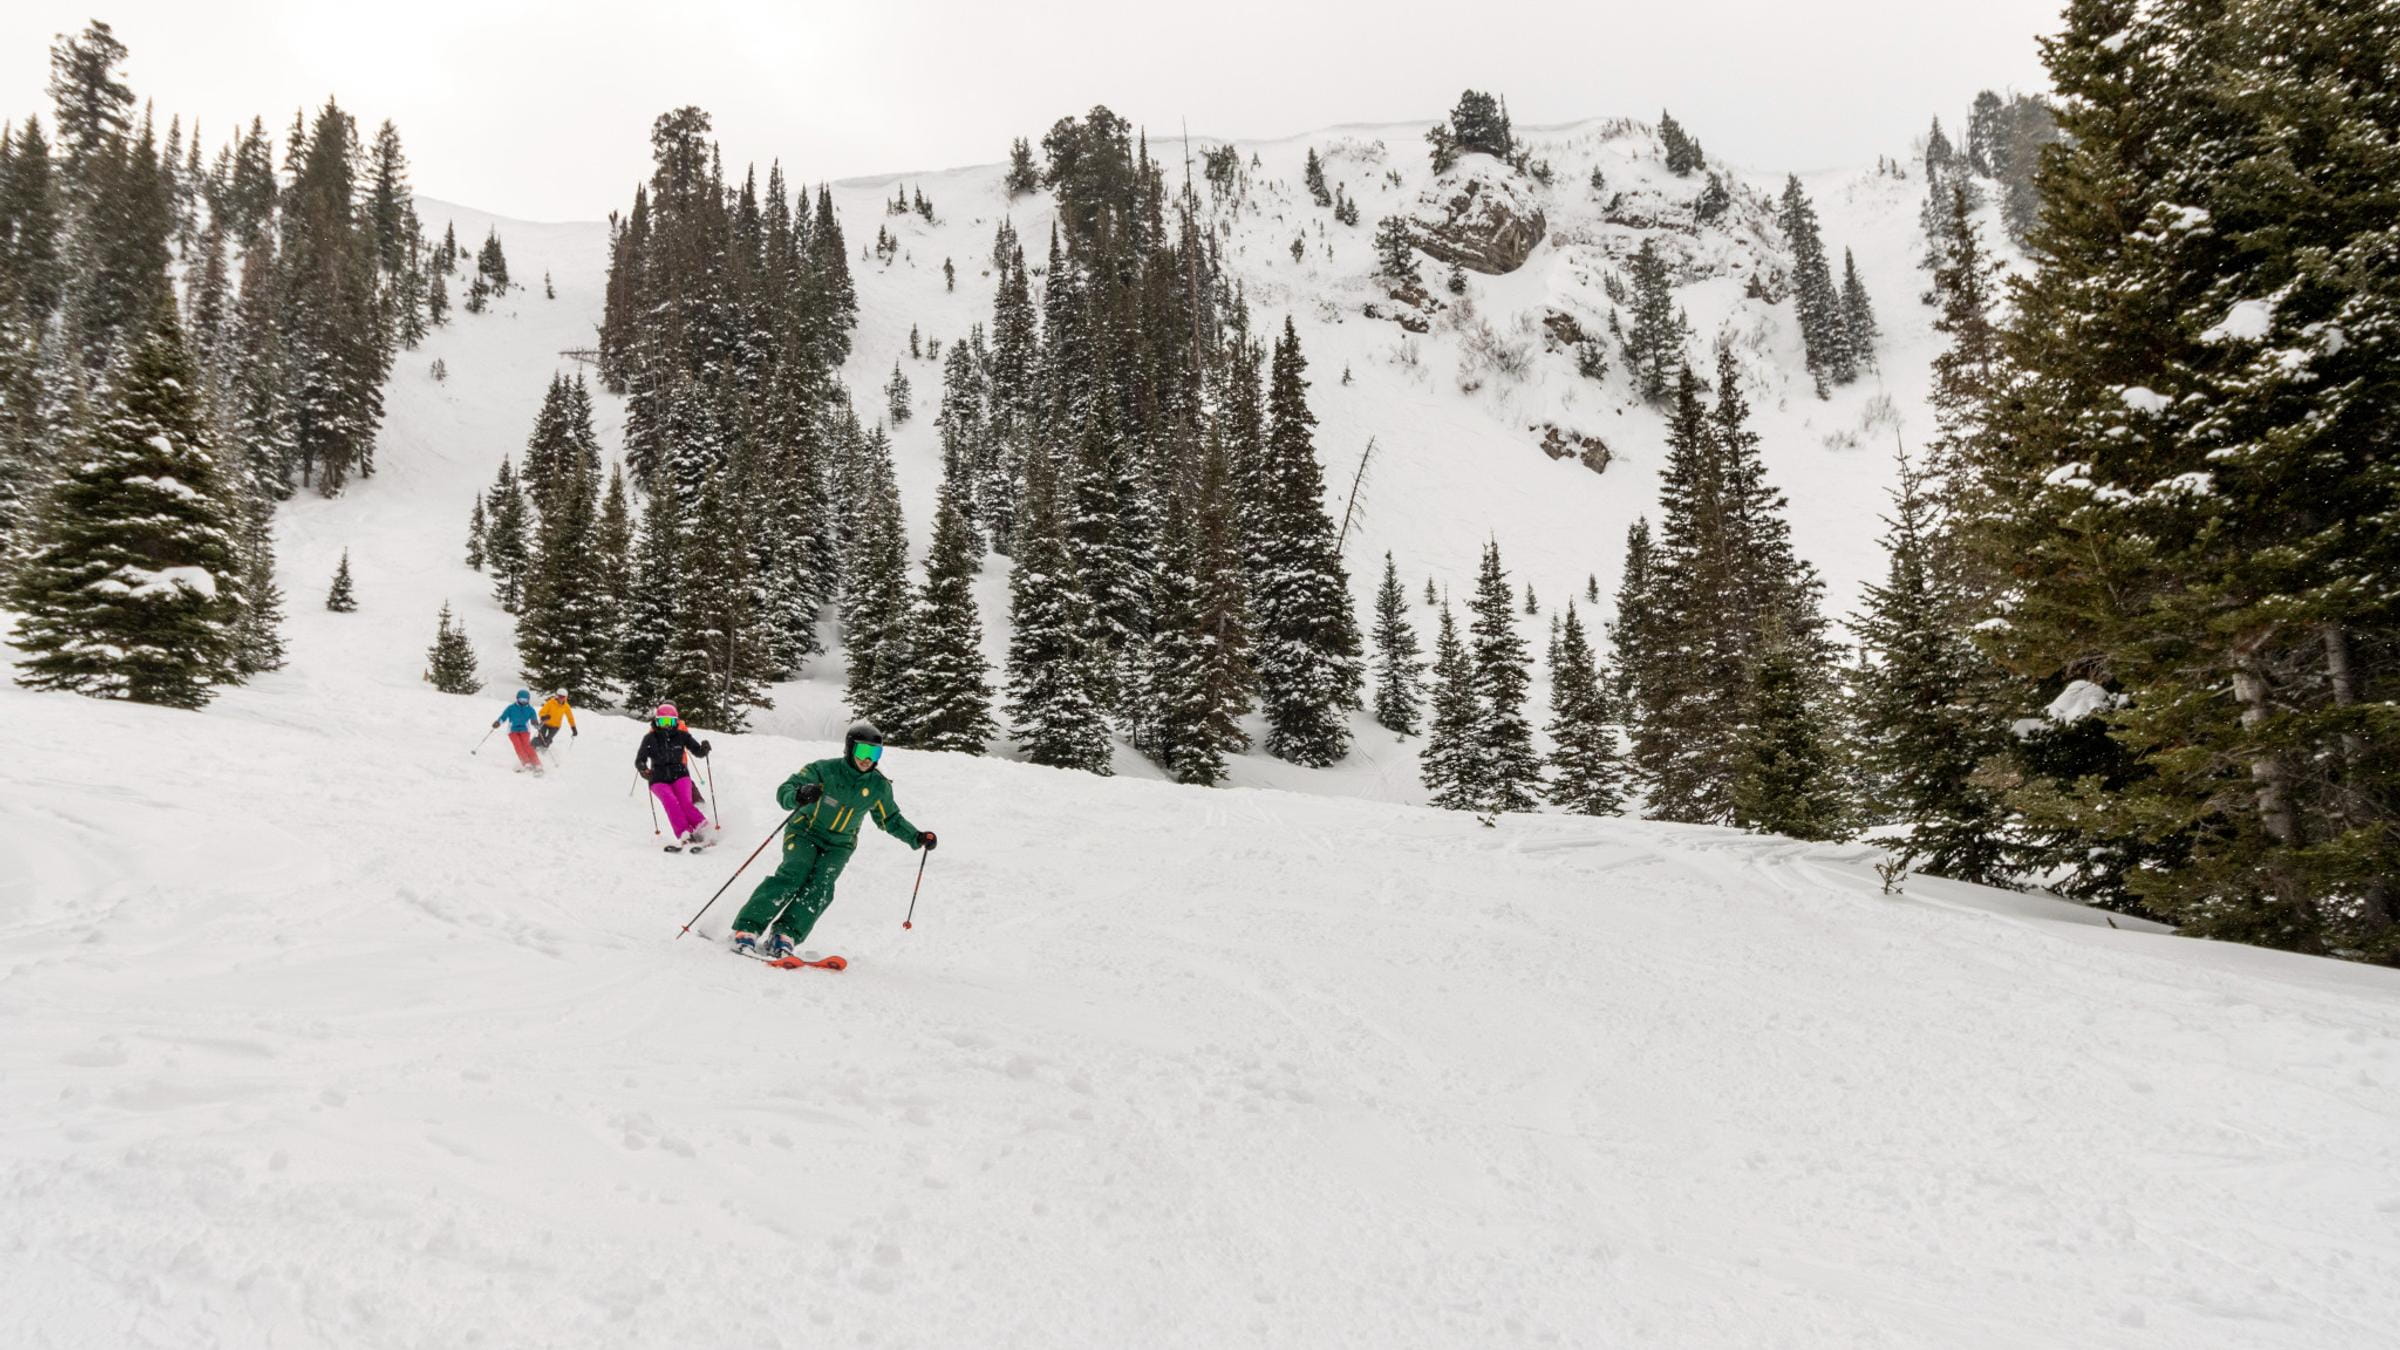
x=661 y=762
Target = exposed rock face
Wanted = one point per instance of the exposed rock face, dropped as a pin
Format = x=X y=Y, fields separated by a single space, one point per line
x=1484 y=221
x=1589 y=451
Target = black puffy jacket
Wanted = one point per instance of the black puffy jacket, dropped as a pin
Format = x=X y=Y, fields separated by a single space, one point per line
x=661 y=757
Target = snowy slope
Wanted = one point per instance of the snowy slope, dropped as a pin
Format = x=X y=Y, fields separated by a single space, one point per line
x=316 y=1030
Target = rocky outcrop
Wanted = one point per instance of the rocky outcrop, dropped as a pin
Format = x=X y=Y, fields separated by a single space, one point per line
x=1484 y=222
x=1589 y=451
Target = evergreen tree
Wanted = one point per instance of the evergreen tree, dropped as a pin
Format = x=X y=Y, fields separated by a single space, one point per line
x=1654 y=346
x=895 y=393
x=491 y=263
x=717 y=651
x=1586 y=775
x=565 y=637
x=1396 y=252
x=612 y=572
x=1858 y=314
x=1023 y=176
x=1052 y=714
x=1479 y=123
x=391 y=210
x=875 y=606
x=1785 y=780
x=1925 y=695
x=949 y=685
x=342 y=598
x=258 y=633
x=1308 y=647
x=476 y=527
x=450 y=662
x=507 y=545
x=1452 y=766
x=1399 y=675
x=335 y=344
x=1502 y=735
x=1314 y=177
x=1818 y=302
x=653 y=607
x=968 y=458
x=130 y=585
x=1635 y=636
x=1682 y=152
x=2192 y=423
x=1177 y=726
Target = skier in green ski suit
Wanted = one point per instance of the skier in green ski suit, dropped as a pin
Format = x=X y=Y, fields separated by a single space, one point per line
x=830 y=800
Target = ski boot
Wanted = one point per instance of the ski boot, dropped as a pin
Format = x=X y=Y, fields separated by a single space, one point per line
x=778 y=946
x=746 y=943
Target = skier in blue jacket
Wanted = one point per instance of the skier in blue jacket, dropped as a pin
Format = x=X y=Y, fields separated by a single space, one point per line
x=520 y=717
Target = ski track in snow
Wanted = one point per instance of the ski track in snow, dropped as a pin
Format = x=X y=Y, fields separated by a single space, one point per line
x=317 y=1029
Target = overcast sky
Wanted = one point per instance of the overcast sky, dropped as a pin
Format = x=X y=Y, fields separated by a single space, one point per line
x=542 y=111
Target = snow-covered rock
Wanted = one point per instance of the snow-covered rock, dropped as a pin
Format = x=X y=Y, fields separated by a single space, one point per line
x=1481 y=216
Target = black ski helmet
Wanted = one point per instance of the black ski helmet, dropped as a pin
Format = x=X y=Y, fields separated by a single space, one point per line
x=860 y=733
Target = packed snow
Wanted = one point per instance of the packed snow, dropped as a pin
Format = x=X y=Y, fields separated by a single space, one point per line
x=318 y=1026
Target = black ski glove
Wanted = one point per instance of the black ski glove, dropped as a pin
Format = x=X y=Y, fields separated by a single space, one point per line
x=925 y=840
x=703 y=749
x=571 y=731
x=808 y=794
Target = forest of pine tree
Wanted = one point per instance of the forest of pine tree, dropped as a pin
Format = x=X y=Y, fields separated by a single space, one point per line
x=298 y=284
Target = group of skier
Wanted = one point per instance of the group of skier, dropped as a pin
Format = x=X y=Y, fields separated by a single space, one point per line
x=828 y=803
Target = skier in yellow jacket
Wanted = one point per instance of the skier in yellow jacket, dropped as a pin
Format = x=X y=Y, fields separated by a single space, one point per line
x=555 y=711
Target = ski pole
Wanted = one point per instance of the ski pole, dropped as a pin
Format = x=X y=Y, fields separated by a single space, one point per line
x=715 y=802
x=762 y=847
x=486 y=736
x=653 y=799
x=924 y=856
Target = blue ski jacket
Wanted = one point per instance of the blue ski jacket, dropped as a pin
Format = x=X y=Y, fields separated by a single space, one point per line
x=519 y=717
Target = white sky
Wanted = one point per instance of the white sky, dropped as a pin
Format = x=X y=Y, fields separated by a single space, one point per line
x=542 y=111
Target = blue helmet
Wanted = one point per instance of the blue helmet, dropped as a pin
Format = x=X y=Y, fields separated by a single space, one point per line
x=524 y=696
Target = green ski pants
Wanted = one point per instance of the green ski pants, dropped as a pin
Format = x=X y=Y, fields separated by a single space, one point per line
x=805 y=878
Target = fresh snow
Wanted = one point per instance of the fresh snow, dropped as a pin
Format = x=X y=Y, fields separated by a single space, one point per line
x=144 y=581
x=2247 y=321
x=2079 y=700
x=318 y=1028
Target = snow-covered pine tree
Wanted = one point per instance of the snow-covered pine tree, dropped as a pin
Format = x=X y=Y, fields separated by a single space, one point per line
x=1399 y=673
x=612 y=572
x=1452 y=766
x=1308 y=643
x=342 y=596
x=491 y=262
x=2174 y=476
x=1634 y=635
x=335 y=340
x=875 y=608
x=895 y=395
x=1815 y=298
x=565 y=637
x=130 y=585
x=1683 y=153
x=1023 y=176
x=258 y=633
x=1924 y=698
x=652 y=610
x=507 y=538
x=1396 y=253
x=450 y=661
x=1587 y=776
x=1858 y=314
x=477 y=526
x=1052 y=714
x=1176 y=722
x=966 y=455
x=1502 y=735
x=949 y=685
x=1533 y=606
x=1785 y=779
x=717 y=652
x=1654 y=344
x=1313 y=176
